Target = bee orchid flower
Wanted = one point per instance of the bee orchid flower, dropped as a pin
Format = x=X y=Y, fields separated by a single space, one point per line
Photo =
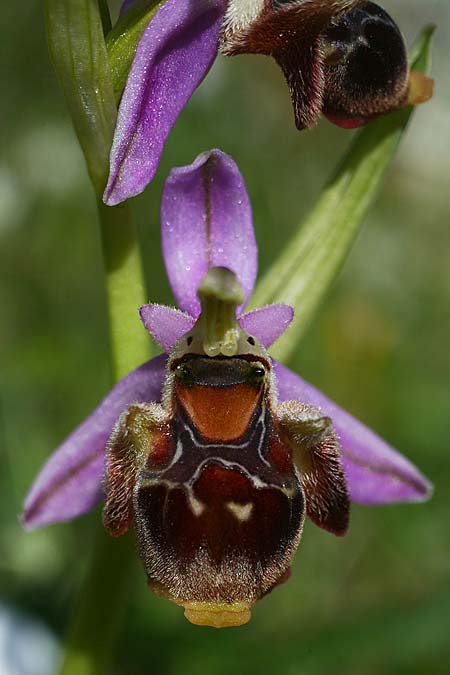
x=212 y=451
x=346 y=59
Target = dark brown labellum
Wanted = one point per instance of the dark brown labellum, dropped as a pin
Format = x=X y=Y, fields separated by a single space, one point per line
x=365 y=65
x=219 y=513
x=276 y=4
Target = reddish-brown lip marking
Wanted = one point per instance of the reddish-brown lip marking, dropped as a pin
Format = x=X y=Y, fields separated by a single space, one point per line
x=279 y=455
x=272 y=520
x=346 y=122
x=162 y=449
x=219 y=413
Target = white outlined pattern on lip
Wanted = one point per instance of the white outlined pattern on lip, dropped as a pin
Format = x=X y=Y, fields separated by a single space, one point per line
x=197 y=507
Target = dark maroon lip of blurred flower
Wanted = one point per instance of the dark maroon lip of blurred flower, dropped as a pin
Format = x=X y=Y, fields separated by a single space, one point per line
x=344 y=58
x=206 y=222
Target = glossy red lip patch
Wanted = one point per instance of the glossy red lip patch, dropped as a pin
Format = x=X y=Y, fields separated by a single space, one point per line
x=220 y=414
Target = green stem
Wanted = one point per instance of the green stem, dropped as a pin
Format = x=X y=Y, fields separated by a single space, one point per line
x=78 y=52
x=125 y=289
x=100 y=606
x=76 y=30
x=103 y=597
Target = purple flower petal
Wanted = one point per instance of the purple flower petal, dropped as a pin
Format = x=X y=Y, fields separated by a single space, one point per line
x=70 y=483
x=376 y=474
x=206 y=221
x=173 y=56
x=165 y=324
x=267 y=324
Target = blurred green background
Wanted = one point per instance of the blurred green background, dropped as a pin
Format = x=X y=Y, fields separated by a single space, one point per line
x=377 y=601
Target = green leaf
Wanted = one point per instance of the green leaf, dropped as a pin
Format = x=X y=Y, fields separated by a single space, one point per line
x=122 y=40
x=78 y=52
x=310 y=262
x=105 y=16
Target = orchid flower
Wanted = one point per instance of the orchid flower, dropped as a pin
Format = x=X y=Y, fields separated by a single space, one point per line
x=141 y=446
x=344 y=58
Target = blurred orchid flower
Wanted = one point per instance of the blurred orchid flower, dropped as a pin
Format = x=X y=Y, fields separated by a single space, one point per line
x=344 y=58
x=206 y=222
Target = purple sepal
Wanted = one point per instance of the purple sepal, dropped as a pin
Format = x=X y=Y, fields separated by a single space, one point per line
x=206 y=221
x=268 y=323
x=70 y=483
x=165 y=324
x=376 y=473
x=174 y=54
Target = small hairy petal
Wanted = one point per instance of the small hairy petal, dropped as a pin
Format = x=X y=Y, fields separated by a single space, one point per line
x=267 y=324
x=206 y=221
x=70 y=483
x=375 y=472
x=173 y=56
x=165 y=324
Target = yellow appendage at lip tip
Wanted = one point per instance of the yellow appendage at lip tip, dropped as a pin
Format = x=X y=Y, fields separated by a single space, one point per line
x=217 y=616
x=421 y=88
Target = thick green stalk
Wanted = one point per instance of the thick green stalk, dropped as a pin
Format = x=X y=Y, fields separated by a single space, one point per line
x=76 y=40
x=100 y=606
x=78 y=52
x=125 y=289
x=103 y=597
x=104 y=594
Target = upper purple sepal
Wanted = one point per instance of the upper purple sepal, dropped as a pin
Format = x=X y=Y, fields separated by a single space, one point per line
x=206 y=221
x=173 y=56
